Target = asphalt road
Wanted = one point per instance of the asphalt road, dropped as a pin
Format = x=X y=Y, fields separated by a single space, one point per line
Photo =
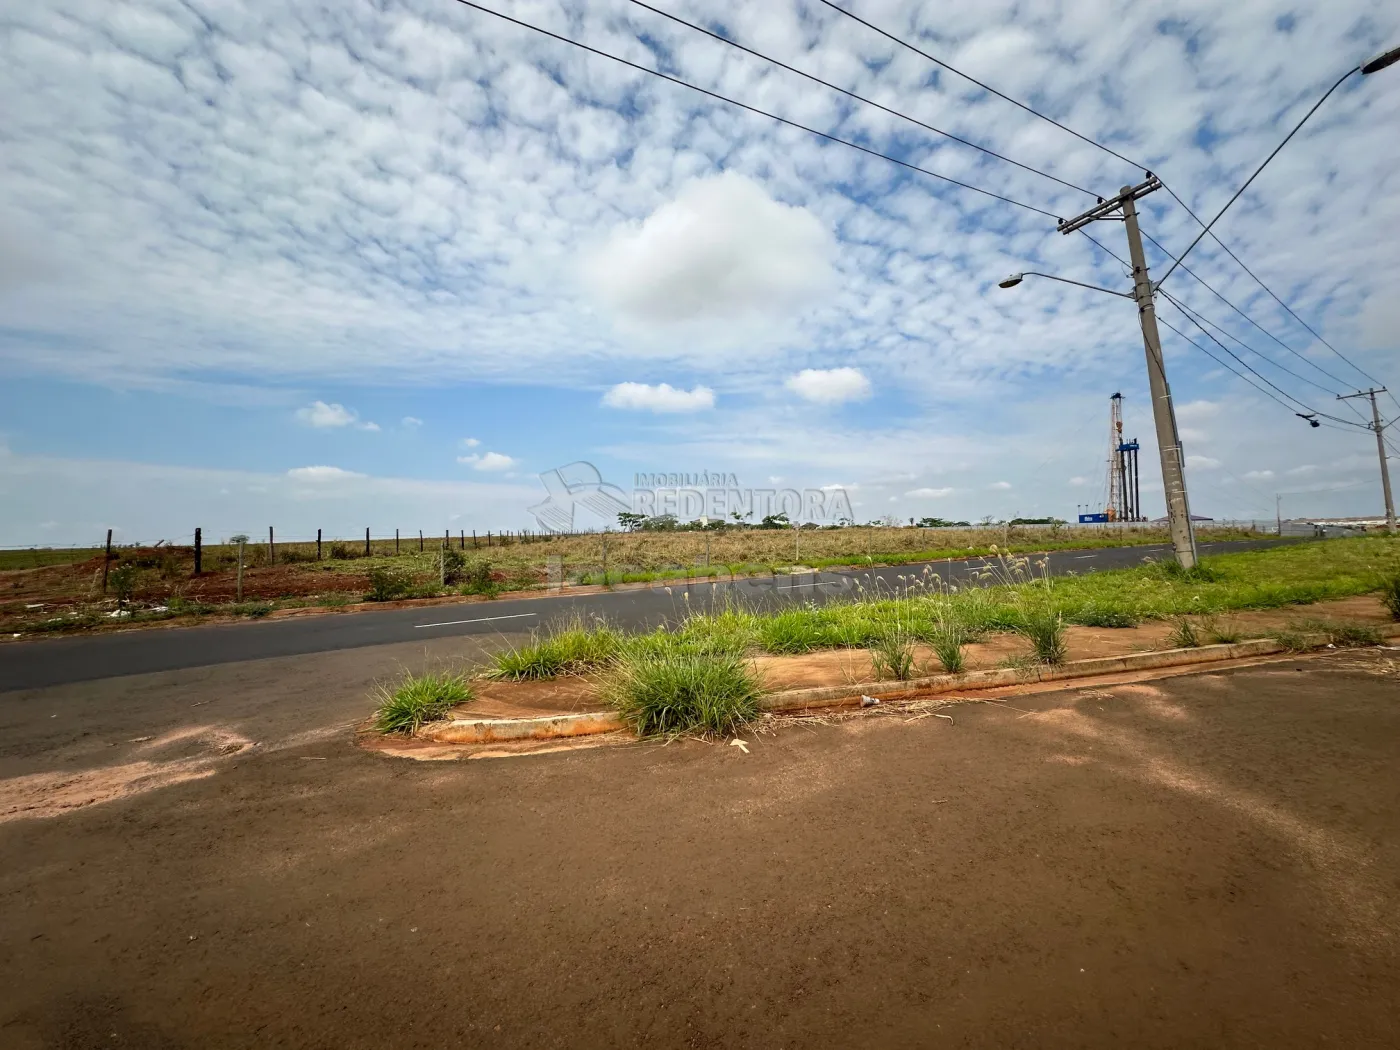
x=54 y=661
x=1201 y=861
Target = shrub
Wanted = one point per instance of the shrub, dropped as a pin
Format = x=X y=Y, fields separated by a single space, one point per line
x=892 y=656
x=475 y=578
x=667 y=694
x=341 y=552
x=387 y=584
x=288 y=555
x=1390 y=595
x=123 y=582
x=417 y=699
x=1100 y=616
x=1184 y=634
x=453 y=564
x=1343 y=634
x=1045 y=628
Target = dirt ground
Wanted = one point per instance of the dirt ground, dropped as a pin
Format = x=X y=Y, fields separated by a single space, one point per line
x=1204 y=861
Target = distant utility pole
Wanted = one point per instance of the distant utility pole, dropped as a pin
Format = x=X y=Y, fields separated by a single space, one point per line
x=1379 y=428
x=1163 y=414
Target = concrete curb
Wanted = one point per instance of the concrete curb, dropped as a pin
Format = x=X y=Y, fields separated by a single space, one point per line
x=492 y=730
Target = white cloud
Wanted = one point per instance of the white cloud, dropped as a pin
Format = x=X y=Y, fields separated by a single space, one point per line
x=1259 y=475
x=470 y=442
x=1001 y=486
x=829 y=385
x=410 y=422
x=660 y=398
x=1203 y=462
x=722 y=251
x=321 y=415
x=321 y=474
x=490 y=461
x=929 y=493
x=1306 y=468
x=1078 y=482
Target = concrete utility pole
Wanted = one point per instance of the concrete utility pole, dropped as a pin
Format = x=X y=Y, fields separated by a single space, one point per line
x=1379 y=428
x=1163 y=414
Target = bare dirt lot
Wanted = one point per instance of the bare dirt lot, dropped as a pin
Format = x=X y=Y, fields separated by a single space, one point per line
x=1205 y=861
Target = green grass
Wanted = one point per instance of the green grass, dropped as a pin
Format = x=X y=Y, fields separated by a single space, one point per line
x=417 y=699
x=571 y=647
x=38 y=557
x=667 y=694
x=1019 y=600
x=1184 y=634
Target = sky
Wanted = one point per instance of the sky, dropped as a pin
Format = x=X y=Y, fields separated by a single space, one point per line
x=385 y=264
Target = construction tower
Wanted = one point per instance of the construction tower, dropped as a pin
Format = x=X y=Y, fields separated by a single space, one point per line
x=1124 y=501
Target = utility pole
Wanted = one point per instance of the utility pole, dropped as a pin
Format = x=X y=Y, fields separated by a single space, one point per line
x=1379 y=428
x=1278 y=510
x=1123 y=206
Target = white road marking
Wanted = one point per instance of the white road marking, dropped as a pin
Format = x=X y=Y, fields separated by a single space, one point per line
x=1081 y=557
x=480 y=619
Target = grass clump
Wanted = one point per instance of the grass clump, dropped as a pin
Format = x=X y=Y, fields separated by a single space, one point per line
x=1184 y=634
x=572 y=647
x=1343 y=635
x=1101 y=616
x=1221 y=631
x=667 y=694
x=1044 y=627
x=417 y=699
x=892 y=656
x=947 y=639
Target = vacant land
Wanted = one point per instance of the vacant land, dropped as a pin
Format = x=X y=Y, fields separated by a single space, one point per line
x=1203 y=861
x=161 y=584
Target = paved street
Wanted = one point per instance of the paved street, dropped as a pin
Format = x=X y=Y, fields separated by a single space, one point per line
x=53 y=661
x=1204 y=861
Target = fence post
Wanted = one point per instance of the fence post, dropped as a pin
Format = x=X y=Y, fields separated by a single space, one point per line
x=462 y=539
x=271 y=548
x=396 y=541
x=318 y=544
x=198 y=550
x=240 y=570
x=473 y=539
x=107 y=561
x=366 y=542
x=420 y=541
x=488 y=537
x=446 y=538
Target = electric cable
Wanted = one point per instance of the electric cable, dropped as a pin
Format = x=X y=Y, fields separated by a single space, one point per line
x=859 y=98
x=1308 y=409
x=1206 y=227
x=745 y=106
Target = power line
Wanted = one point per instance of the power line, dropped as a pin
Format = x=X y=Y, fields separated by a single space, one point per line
x=1260 y=282
x=1296 y=128
x=985 y=87
x=1235 y=372
x=1200 y=317
x=752 y=109
x=1208 y=287
x=1246 y=365
x=859 y=98
x=1206 y=227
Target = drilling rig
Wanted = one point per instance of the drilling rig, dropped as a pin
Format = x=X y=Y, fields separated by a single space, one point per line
x=1122 y=491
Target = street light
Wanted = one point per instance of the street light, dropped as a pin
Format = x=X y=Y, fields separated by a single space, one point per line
x=1016 y=278
x=1385 y=58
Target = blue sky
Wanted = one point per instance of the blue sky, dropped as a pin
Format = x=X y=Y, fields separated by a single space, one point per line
x=382 y=264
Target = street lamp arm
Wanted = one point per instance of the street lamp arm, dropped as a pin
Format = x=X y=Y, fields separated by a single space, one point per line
x=1015 y=279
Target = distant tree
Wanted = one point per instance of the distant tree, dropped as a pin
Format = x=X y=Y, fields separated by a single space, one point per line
x=631 y=522
x=776 y=521
x=660 y=523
